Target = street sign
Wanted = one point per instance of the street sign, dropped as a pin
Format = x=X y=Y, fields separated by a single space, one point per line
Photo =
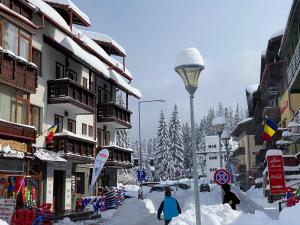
x=141 y=174
x=222 y=176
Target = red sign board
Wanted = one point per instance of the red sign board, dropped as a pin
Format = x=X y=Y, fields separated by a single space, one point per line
x=276 y=174
x=222 y=176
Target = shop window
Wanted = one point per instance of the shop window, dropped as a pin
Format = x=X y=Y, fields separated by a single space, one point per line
x=13 y=105
x=37 y=60
x=84 y=129
x=35 y=117
x=91 y=131
x=59 y=70
x=72 y=126
x=80 y=183
x=59 y=121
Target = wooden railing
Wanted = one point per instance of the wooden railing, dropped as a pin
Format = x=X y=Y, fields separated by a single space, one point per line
x=68 y=91
x=118 y=156
x=19 y=132
x=294 y=63
x=109 y=112
x=69 y=144
x=18 y=73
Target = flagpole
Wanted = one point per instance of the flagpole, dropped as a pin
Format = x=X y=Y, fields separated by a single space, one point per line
x=45 y=131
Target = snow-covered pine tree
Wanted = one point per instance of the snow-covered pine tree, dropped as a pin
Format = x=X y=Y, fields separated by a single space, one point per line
x=187 y=143
x=237 y=114
x=164 y=162
x=201 y=160
x=209 y=129
x=176 y=138
x=220 y=110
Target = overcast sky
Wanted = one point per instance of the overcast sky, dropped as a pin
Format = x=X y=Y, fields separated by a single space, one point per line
x=230 y=34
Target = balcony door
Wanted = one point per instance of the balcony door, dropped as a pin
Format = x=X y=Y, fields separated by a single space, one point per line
x=103 y=138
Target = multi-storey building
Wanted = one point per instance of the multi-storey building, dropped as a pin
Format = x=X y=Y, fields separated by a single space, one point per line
x=73 y=83
x=212 y=154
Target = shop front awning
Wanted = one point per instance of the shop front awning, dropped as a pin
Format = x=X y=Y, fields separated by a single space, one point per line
x=46 y=155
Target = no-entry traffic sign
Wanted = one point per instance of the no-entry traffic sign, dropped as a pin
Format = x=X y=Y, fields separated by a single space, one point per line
x=222 y=176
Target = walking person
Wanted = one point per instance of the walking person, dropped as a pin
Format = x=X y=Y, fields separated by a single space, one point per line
x=230 y=197
x=169 y=206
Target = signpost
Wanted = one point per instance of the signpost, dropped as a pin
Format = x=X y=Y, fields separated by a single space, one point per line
x=141 y=174
x=222 y=176
x=276 y=171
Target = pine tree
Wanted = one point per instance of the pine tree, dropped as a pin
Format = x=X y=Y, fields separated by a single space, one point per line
x=176 y=138
x=164 y=162
x=187 y=143
x=237 y=115
x=220 y=111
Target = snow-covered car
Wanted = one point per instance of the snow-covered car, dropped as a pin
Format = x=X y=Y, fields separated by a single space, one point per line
x=160 y=188
x=204 y=188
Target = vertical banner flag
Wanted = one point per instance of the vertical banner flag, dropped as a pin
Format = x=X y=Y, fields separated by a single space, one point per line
x=276 y=171
x=270 y=129
x=100 y=160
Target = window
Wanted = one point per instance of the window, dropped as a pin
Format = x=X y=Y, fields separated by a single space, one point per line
x=84 y=127
x=215 y=146
x=59 y=70
x=103 y=137
x=79 y=182
x=84 y=82
x=35 y=117
x=10 y=37
x=13 y=105
x=37 y=60
x=59 y=121
x=91 y=131
x=72 y=126
x=72 y=75
x=24 y=45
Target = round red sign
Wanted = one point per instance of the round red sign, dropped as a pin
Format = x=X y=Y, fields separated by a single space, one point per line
x=222 y=176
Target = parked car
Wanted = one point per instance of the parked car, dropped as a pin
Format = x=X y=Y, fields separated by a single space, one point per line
x=160 y=188
x=150 y=184
x=204 y=188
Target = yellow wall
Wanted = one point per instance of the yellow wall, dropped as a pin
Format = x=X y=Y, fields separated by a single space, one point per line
x=284 y=109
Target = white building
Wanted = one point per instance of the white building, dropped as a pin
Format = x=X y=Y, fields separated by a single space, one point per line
x=212 y=155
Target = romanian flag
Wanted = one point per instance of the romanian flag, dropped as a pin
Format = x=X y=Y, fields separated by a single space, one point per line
x=269 y=129
x=51 y=132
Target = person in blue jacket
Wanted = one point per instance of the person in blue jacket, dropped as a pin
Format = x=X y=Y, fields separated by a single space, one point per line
x=169 y=206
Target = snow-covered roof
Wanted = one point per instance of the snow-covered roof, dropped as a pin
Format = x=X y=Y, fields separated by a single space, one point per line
x=289 y=134
x=278 y=33
x=241 y=122
x=119 y=80
x=51 y=13
x=94 y=46
x=71 y=134
x=72 y=6
x=252 y=88
x=273 y=152
x=106 y=39
x=46 y=155
x=116 y=146
x=189 y=56
x=283 y=142
x=71 y=45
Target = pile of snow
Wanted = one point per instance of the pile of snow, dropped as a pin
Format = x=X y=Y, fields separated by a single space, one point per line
x=252 y=88
x=256 y=194
x=3 y=222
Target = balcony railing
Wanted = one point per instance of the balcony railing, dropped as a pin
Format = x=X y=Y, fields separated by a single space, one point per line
x=111 y=112
x=118 y=157
x=294 y=63
x=68 y=91
x=18 y=73
x=78 y=149
x=18 y=132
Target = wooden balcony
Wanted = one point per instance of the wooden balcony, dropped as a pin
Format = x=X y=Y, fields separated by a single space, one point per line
x=69 y=92
x=294 y=64
x=18 y=73
x=119 y=157
x=75 y=149
x=17 y=132
x=239 y=151
x=111 y=112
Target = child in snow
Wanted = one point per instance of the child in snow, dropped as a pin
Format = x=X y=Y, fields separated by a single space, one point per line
x=169 y=206
x=230 y=197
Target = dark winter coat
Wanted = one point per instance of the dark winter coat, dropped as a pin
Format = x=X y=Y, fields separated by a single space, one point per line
x=229 y=196
x=170 y=207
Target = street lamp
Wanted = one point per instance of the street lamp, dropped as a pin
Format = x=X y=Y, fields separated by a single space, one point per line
x=140 y=138
x=225 y=137
x=189 y=64
x=219 y=123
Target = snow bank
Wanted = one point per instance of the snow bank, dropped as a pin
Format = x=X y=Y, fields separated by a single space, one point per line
x=290 y=216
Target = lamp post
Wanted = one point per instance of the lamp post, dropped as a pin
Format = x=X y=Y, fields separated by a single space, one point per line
x=225 y=137
x=219 y=123
x=140 y=138
x=189 y=64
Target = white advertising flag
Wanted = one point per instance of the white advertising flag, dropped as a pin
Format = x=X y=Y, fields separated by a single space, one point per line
x=98 y=165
